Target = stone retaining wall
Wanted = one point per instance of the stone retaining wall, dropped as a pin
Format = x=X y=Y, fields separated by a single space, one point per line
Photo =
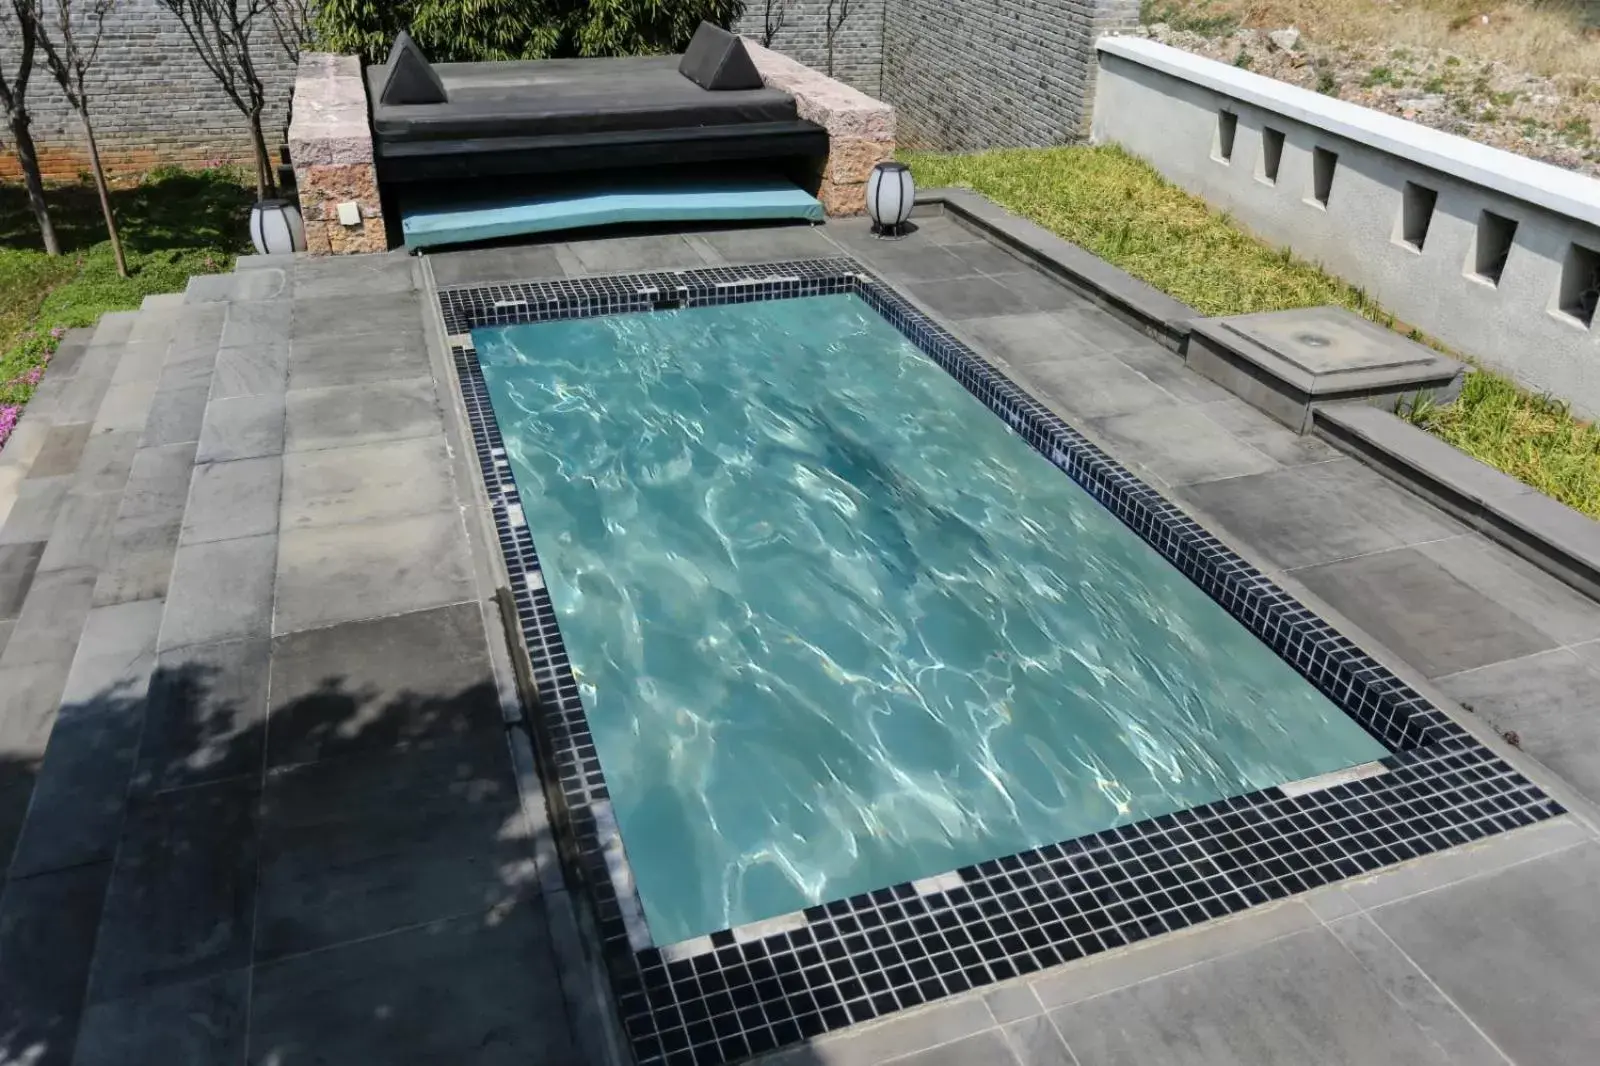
x=860 y=129
x=330 y=142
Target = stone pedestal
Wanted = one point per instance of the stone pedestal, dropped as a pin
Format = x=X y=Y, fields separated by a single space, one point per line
x=860 y=128
x=330 y=143
x=1288 y=362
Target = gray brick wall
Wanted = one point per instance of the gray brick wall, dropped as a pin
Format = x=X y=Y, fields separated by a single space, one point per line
x=968 y=74
x=857 y=46
x=157 y=102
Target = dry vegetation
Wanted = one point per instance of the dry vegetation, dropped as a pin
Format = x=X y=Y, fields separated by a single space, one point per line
x=1524 y=76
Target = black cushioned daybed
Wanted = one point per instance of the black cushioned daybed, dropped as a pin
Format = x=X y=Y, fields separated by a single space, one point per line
x=453 y=121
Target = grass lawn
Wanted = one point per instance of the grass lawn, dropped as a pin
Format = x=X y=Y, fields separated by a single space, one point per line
x=1116 y=206
x=174 y=224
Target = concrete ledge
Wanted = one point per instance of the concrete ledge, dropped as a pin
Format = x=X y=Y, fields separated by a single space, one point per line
x=861 y=129
x=1135 y=302
x=1548 y=534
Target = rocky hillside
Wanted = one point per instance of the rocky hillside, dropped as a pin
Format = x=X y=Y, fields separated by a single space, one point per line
x=1554 y=118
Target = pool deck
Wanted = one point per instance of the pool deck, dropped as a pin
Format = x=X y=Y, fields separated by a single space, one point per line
x=265 y=795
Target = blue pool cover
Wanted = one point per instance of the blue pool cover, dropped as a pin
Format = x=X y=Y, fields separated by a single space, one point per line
x=429 y=223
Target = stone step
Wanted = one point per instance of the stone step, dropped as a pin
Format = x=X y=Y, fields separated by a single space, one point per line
x=158 y=301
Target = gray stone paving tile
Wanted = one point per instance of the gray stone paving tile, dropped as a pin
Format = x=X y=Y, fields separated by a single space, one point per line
x=899 y=263
x=47 y=934
x=1518 y=951
x=1547 y=603
x=1093 y=386
x=985 y=1049
x=139 y=565
x=251 y=325
x=231 y=288
x=153 y=325
x=107 y=461
x=1422 y=612
x=324 y=362
x=241 y=427
x=176 y=416
x=1035 y=1042
x=344 y=316
x=939 y=230
x=81 y=792
x=1548 y=701
x=1040 y=292
x=33 y=513
x=621 y=255
x=1104 y=330
x=905 y=1034
x=982 y=257
x=196 y=1023
x=116 y=652
x=231 y=500
x=205 y=716
x=69 y=353
x=23 y=446
x=1012 y=1002
x=1180 y=445
x=82 y=533
x=5 y=634
x=962 y=298
x=1260 y=432
x=30 y=696
x=329 y=574
x=482 y=265
x=372 y=481
x=1022 y=340
x=220 y=591
x=258 y=369
x=1106 y=973
x=182 y=895
x=1301 y=999
x=187 y=369
x=352 y=275
x=1434 y=1014
x=1313 y=514
x=473 y=989
x=140 y=362
x=381 y=684
x=1166 y=368
x=63 y=447
x=157 y=489
x=356 y=847
x=51 y=618
x=765 y=244
x=364 y=414
x=81 y=398
x=18 y=563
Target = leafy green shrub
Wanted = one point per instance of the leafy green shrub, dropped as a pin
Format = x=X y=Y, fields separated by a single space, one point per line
x=451 y=31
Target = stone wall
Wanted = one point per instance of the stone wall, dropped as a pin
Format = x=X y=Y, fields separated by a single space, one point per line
x=165 y=107
x=802 y=35
x=968 y=74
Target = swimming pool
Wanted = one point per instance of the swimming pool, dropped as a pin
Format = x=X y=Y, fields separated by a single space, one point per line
x=745 y=990
x=837 y=627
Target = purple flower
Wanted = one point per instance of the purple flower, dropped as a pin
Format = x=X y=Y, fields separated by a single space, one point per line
x=58 y=332
x=8 y=422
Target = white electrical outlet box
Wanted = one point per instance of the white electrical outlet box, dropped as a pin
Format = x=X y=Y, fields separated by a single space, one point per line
x=349 y=213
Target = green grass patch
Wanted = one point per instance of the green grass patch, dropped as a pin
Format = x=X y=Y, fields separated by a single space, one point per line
x=1118 y=207
x=174 y=224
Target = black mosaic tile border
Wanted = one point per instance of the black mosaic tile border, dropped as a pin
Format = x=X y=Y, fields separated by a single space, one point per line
x=860 y=958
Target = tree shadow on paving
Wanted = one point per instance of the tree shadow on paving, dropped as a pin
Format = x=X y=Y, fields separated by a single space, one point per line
x=172 y=209
x=354 y=875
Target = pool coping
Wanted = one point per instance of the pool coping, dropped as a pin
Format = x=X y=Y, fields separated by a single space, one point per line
x=741 y=992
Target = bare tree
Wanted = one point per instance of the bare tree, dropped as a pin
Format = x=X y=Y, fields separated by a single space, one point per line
x=293 y=23
x=21 y=25
x=832 y=22
x=70 y=51
x=772 y=20
x=223 y=34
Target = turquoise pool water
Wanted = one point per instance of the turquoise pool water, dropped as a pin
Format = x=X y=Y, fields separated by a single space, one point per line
x=837 y=627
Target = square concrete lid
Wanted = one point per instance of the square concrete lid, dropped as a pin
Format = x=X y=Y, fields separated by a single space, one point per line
x=1324 y=349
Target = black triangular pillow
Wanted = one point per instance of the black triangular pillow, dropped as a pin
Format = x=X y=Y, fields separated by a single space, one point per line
x=410 y=79
x=716 y=59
